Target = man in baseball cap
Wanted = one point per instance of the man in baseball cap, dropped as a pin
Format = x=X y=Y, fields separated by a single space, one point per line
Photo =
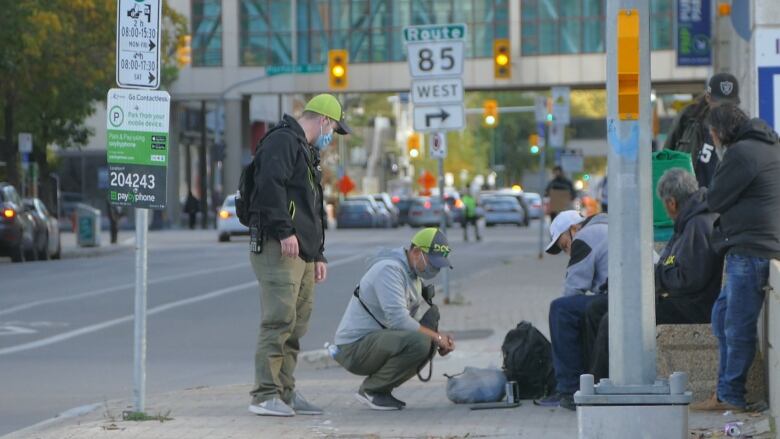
x=327 y=105
x=381 y=335
x=723 y=87
x=585 y=240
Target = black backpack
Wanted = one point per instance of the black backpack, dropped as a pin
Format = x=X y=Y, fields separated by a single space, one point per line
x=246 y=183
x=528 y=360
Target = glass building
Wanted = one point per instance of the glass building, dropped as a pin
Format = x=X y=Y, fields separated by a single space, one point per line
x=371 y=29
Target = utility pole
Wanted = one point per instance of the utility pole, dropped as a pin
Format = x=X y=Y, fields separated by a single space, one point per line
x=631 y=402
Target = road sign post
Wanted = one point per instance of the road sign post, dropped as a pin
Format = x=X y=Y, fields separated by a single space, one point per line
x=435 y=55
x=138 y=43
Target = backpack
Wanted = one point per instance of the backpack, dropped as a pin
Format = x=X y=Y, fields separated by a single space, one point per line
x=528 y=360
x=691 y=139
x=246 y=183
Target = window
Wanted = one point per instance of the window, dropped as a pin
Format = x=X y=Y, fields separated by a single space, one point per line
x=577 y=26
x=372 y=29
x=265 y=32
x=206 y=33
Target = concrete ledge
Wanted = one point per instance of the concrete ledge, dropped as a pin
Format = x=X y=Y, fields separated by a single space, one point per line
x=772 y=310
x=693 y=349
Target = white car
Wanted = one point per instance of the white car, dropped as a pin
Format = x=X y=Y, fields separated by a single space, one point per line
x=227 y=221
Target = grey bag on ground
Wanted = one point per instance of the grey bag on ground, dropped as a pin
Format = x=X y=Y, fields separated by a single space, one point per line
x=476 y=385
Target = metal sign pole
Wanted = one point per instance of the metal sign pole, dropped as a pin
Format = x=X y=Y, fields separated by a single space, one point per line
x=139 y=366
x=542 y=181
x=443 y=225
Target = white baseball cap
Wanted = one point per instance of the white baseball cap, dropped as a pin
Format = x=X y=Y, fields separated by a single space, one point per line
x=562 y=222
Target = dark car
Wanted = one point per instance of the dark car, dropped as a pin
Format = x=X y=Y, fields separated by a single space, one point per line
x=383 y=216
x=47 y=230
x=427 y=212
x=354 y=214
x=500 y=209
x=16 y=226
x=384 y=198
x=403 y=204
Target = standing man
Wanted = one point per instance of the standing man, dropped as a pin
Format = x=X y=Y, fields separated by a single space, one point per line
x=746 y=193
x=469 y=215
x=287 y=247
x=689 y=132
x=585 y=240
x=561 y=192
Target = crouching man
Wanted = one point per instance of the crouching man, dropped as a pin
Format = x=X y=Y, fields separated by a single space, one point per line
x=379 y=336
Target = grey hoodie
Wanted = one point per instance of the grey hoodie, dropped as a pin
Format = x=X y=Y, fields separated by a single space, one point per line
x=392 y=292
x=587 y=270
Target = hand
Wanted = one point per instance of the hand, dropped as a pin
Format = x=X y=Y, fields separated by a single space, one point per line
x=320 y=272
x=446 y=344
x=290 y=246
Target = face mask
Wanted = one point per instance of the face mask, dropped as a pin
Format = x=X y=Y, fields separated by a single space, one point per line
x=323 y=140
x=429 y=272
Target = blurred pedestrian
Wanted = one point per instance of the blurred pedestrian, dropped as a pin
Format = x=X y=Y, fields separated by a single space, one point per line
x=287 y=245
x=746 y=193
x=113 y=214
x=469 y=216
x=689 y=131
x=561 y=193
x=191 y=208
x=603 y=194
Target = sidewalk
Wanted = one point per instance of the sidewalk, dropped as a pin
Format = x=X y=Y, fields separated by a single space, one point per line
x=491 y=303
x=70 y=248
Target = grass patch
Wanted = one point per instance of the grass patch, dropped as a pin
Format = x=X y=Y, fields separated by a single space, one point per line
x=143 y=417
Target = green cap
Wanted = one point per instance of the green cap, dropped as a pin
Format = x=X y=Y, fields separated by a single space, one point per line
x=327 y=105
x=433 y=242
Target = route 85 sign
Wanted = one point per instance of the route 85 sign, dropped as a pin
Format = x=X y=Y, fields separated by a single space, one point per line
x=435 y=55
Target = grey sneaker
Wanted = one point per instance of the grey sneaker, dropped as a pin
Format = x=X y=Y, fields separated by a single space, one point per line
x=302 y=406
x=272 y=407
x=378 y=401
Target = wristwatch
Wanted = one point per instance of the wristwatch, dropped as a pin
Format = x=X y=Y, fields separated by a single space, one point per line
x=439 y=339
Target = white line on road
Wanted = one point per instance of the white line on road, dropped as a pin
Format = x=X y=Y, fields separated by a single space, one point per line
x=115 y=288
x=156 y=310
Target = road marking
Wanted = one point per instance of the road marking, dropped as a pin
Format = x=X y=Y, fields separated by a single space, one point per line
x=15 y=330
x=152 y=311
x=115 y=288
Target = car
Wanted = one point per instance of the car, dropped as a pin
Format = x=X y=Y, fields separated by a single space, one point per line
x=456 y=206
x=395 y=213
x=503 y=210
x=535 y=205
x=517 y=194
x=427 y=212
x=47 y=230
x=227 y=222
x=17 y=234
x=385 y=218
x=356 y=214
x=403 y=204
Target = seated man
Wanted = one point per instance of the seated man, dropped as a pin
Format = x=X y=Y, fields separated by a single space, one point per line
x=687 y=275
x=378 y=336
x=585 y=240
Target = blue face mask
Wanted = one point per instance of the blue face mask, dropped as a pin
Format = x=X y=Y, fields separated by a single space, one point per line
x=429 y=272
x=323 y=140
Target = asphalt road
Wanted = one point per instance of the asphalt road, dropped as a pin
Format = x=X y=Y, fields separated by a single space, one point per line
x=66 y=327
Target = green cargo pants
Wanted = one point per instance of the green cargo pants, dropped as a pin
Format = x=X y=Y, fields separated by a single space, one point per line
x=286 y=299
x=389 y=358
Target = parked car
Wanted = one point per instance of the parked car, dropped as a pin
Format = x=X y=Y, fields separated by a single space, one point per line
x=535 y=207
x=17 y=234
x=47 y=230
x=383 y=215
x=427 y=211
x=227 y=221
x=385 y=199
x=356 y=214
x=503 y=210
x=456 y=206
x=403 y=204
x=517 y=194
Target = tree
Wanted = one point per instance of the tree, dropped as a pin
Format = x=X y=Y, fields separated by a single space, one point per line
x=59 y=58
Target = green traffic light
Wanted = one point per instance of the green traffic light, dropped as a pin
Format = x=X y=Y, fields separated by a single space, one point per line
x=549 y=117
x=534 y=149
x=586 y=177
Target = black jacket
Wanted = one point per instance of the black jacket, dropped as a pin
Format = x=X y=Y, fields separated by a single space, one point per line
x=705 y=160
x=689 y=270
x=746 y=193
x=561 y=183
x=288 y=192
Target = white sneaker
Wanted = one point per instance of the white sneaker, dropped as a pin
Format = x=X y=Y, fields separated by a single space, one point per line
x=271 y=407
x=302 y=406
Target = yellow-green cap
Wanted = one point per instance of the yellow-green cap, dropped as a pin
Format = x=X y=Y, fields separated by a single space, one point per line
x=327 y=105
x=433 y=242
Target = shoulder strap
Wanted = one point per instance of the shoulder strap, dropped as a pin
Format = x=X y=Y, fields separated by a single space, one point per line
x=356 y=293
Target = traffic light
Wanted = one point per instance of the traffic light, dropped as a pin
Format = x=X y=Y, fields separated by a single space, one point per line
x=184 y=50
x=533 y=142
x=490 y=113
x=413 y=144
x=338 y=64
x=502 y=60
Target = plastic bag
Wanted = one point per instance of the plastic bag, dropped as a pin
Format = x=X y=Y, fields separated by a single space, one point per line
x=476 y=385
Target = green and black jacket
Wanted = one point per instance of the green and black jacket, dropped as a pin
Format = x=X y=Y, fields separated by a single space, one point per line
x=288 y=191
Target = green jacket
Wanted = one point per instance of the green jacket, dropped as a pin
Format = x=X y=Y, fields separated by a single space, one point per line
x=469 y=206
